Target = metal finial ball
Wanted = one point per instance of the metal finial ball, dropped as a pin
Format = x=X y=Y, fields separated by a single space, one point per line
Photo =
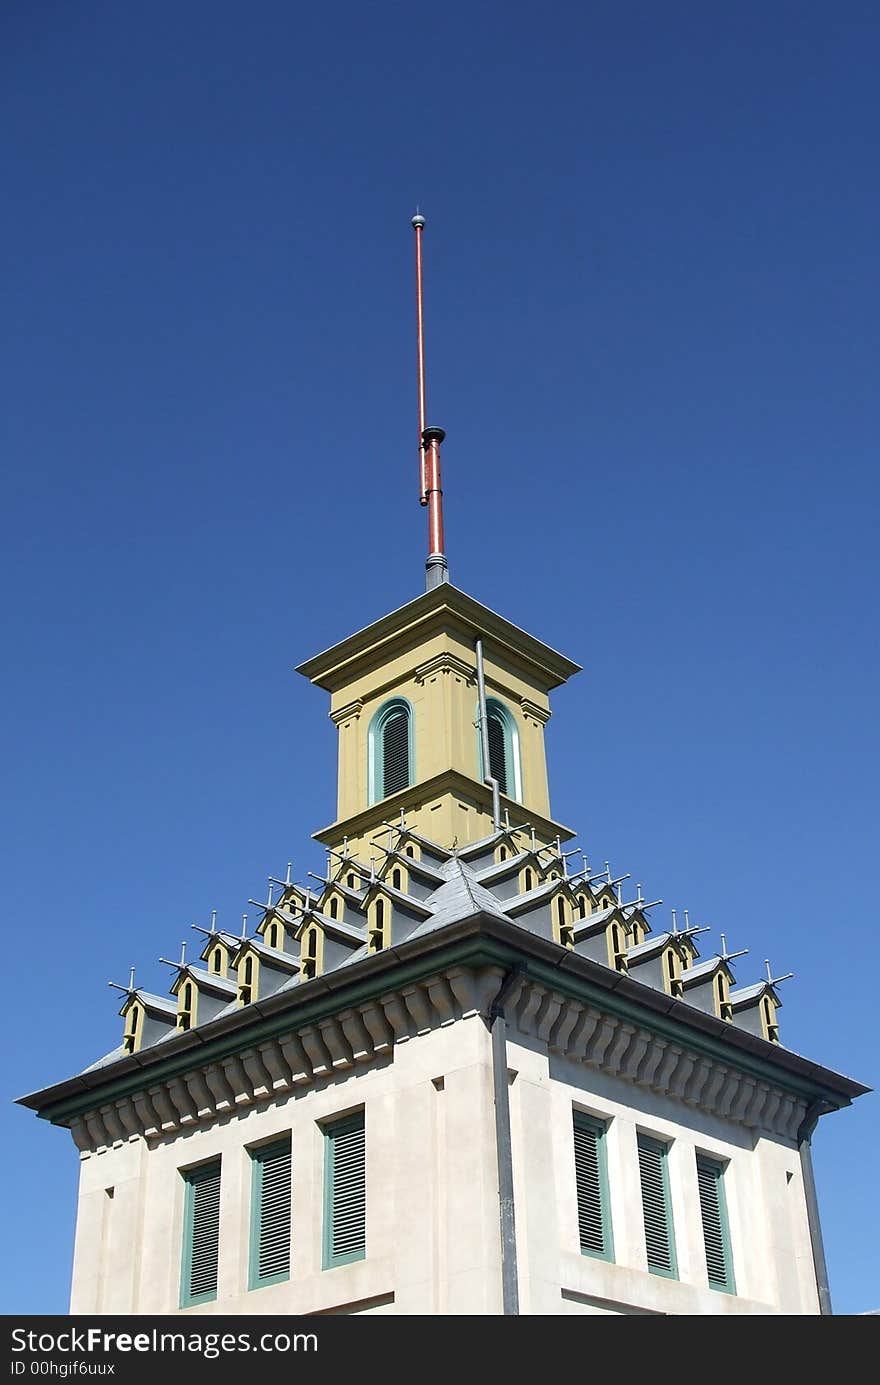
x=418 y=220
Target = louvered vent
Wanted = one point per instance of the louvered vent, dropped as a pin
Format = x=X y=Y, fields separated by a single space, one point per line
x=346 y=1192
x=497 y=751
x=203 y=1234
x=659 y=1240
x=589 y=1164
x=272 y=1168
x=395 y=752
x=713 y=1212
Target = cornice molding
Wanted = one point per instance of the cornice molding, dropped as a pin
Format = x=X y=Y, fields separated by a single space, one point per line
x=351 y=710
x=445 y=663
x=362 y=1033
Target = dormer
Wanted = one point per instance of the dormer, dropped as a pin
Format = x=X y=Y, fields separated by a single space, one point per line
x=409 y=875
x=659 y=962
x=404 y=698
x=547 y=909
x=707 y=985
x=147 y=1018
x=391 y=915
x=755 y=1008
x=260 y=969
x=200 y=995
x=603 y=936
x=325 y=943
x=217 y=953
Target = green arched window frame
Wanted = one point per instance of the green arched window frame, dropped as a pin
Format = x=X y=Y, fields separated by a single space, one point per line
x=376 y=738
x=505 y=723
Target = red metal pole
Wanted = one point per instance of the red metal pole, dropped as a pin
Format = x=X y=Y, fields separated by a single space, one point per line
x=418 y=225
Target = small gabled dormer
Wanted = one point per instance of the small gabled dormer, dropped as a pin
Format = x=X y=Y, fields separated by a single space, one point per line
x=657 y=962
x=261 y=969
x=200 y=995
x=325 y=943
x=561 y=905
x=146 y=1019
x=217 y=953
x=547 y=909
x=391 y=913
x=584 y=901
x=755 y=1008
x=707 y=985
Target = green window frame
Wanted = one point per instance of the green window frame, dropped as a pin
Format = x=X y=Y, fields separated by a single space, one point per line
x=345 y=1191
x=591 y=1183
x=270 y=1214
x=386 y=775
x=201 y=1235
x=657 y=1207
x=504 y=758
x=716 y=1228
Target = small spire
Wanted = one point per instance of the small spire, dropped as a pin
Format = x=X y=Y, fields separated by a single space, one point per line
x=244 y=926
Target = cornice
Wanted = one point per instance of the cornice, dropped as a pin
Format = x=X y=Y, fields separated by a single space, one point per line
x=324 y=1026
x=448 y=781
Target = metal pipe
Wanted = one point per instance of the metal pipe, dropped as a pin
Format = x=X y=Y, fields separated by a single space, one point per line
x=504 y=1147
x=431 y=440
x=484 y=739
x=418 y=225
x=820 y=1267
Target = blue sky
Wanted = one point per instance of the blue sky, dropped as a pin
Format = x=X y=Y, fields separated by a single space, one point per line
x=652 y=306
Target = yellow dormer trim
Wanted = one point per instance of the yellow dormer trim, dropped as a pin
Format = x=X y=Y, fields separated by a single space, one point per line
x=187 y=1005
x=769 y=1024
x=721 y=997
x=248 y=976
x=616 y=939
x=379 y=924
x=561 y=914
x=217 y=961
x=397 y=876
x=311 y=954
x=672 y=969
x=134 y=1025
x=274 y=934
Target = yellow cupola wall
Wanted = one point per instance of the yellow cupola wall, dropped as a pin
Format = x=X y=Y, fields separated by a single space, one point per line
x=417 y=668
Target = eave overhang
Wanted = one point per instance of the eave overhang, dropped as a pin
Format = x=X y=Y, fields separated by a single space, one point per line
x=441 y=607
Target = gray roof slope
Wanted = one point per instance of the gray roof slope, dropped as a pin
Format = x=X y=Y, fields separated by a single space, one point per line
x=461 y=896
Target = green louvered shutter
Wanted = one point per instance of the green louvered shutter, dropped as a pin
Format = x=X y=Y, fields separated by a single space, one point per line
x=395 y=752
x=594 y=1219
x=497 y=750
x=657 y=1208
x=345 y=1192
x=716 y=1233
x=270 y=1214
x=201 y=1235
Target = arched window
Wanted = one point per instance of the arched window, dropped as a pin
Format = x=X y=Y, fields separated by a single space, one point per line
x=390 y=749
x=334 y=906
x=272 y=939
x=503 y=749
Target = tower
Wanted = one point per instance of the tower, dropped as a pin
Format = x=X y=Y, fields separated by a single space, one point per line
x=458 y=1072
